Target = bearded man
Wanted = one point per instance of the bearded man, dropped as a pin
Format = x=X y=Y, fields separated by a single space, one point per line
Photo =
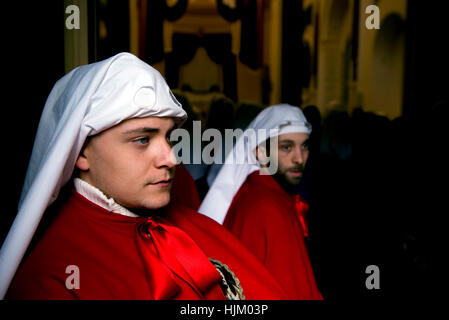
x=258 y=204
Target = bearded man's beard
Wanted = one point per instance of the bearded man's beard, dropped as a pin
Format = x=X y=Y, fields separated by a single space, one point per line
x=288 y=184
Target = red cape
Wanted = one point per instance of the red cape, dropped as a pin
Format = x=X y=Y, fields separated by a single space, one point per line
x=115 y=263
x=184 y=189
x=263 y=217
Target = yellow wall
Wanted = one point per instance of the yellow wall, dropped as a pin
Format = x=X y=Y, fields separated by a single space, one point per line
x=273 y=37
x=76 y=51
x=380 y=66
x=380 y=73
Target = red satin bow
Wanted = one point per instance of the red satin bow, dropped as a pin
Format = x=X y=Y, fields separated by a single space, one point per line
x=301 y=209
x=180 y=257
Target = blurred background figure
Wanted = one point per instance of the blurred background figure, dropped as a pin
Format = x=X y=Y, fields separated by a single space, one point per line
x=261 y=208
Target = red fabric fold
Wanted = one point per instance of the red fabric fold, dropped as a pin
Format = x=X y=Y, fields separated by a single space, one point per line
x=301 y=209
x=182 y=256
x=272 y=225
x=121 y=257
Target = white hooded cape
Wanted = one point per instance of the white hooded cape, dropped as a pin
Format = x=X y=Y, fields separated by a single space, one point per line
x=84 y=102
x=276 y=120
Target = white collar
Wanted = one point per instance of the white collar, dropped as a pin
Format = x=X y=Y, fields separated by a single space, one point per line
x=98 y=197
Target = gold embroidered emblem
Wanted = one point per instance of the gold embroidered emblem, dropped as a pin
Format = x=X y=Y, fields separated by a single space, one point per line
x=230 y=284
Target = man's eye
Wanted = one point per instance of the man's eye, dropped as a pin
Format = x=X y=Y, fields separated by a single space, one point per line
x=143 y=140
x=285 y=148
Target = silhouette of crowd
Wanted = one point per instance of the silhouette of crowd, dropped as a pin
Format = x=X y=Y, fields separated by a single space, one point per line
x=376 y=191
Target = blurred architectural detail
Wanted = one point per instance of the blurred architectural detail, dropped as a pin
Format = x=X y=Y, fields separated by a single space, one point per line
x=356 y=66
x=303 y=52
x=381 y=56
x=76 y=40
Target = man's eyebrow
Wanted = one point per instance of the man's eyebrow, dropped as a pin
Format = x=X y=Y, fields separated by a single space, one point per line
x=291 y=141
x=286 y=141
x=141 y=130
x=148 y=130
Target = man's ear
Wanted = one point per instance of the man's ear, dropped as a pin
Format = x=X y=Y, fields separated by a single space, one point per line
x=82 y=163
x=261 y=156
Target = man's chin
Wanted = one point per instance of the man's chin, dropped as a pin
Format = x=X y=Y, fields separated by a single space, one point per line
x=151 y=204
x=287 y=183
x=157 y=202
x=294 y=182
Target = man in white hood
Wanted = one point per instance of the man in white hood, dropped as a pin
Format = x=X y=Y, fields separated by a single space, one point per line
x=104 y=136
x=256 y=201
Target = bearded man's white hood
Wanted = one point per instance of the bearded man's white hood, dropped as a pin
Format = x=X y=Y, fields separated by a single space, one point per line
x=85 y=102
x=271 y=122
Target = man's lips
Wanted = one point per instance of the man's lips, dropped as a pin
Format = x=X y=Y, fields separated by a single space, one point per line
x=162 y=183
x=296 y=173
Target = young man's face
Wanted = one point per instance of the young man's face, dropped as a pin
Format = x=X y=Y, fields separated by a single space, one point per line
x=132 y=162
x=292 y=155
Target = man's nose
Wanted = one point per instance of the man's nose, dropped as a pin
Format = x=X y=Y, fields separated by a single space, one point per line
x=166 y=157
x=298 y=156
